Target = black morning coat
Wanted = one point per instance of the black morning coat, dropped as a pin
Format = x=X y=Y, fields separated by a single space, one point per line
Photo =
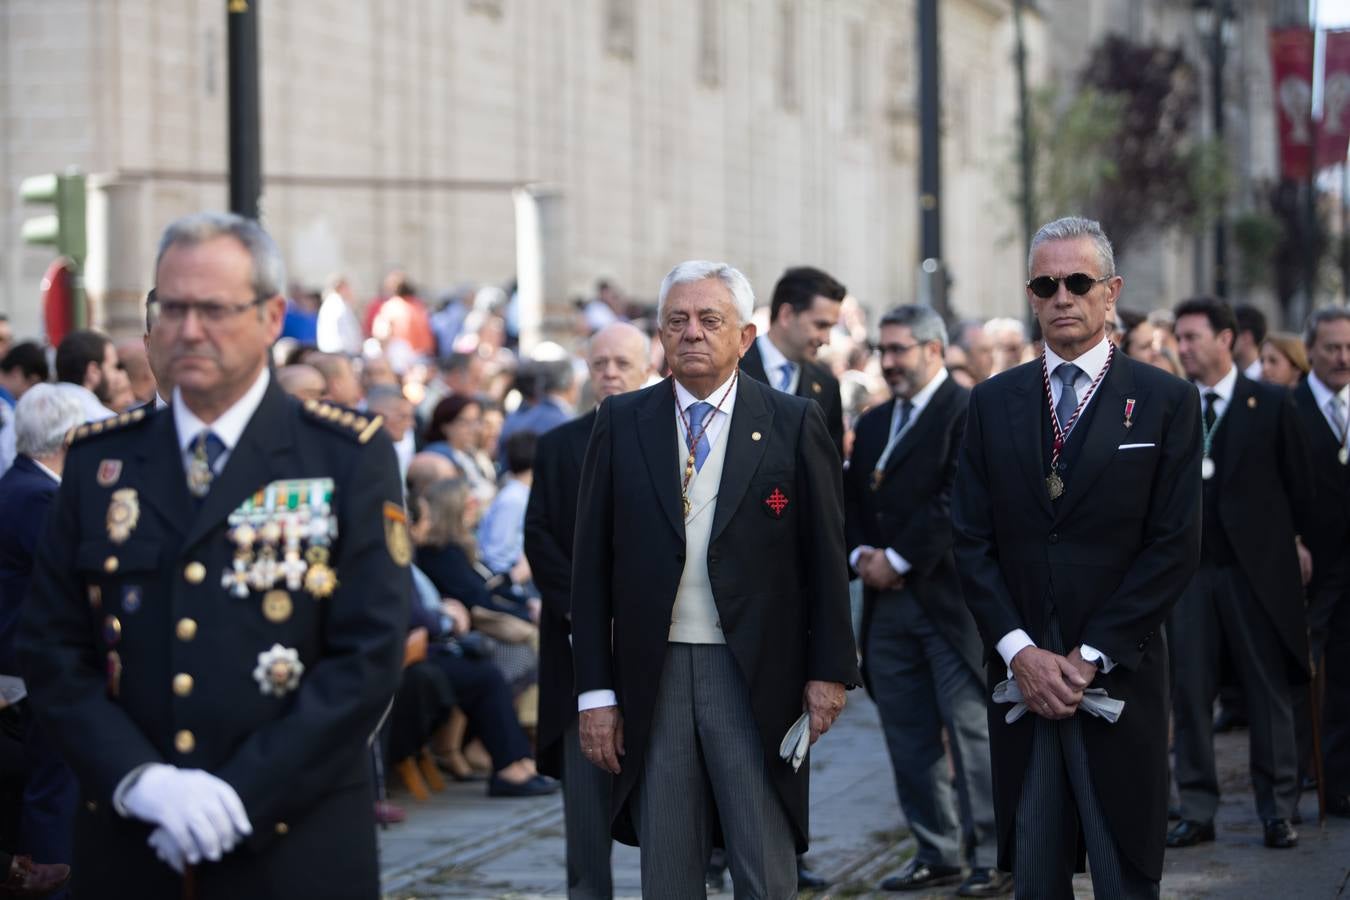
x=815 y=382
x=909 y=511
x=187 y=693
x=549 y=527
x=1111 y=557
x=1263 y=490
x=1329 y=538
x=776 y=561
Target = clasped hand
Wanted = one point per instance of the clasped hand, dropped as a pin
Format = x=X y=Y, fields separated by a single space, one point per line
x=199 y=816
x=601 y=734
x=876 y=571
x=1052 y=685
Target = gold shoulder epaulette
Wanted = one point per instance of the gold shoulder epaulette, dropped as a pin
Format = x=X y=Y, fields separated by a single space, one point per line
x=104 y=426
x=356 y=425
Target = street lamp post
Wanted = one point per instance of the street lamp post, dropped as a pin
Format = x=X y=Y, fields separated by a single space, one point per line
x=1215 y=21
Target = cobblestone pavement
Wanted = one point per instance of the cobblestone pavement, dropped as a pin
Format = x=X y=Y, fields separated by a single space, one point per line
x=462 y=844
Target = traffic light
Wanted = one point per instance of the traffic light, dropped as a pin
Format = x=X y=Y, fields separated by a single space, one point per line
x=63 y=228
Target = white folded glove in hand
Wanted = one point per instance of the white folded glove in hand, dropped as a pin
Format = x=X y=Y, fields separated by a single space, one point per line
x=1095 y=701
x=796 y=742
x=199 y=815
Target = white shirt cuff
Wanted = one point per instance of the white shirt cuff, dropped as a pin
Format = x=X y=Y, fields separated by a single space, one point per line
x=1011 y=644
x=596 y=699
x=1093 y=655
x=898 y=562
x=857 y=552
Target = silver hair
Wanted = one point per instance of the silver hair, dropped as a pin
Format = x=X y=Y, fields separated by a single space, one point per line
x=1321 y=317
x=742 y=295
x=1071 y=227
x=269 y=269
x=42 y=418
x=922 y=321
x=1005 y=325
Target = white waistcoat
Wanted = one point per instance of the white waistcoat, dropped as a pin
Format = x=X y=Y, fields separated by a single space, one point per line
x=694 y=618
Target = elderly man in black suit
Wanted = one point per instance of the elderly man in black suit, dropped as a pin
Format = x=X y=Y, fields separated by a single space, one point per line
x=922 y=659
x=1248 y=590
x=1077 y=514
x=619 y=359
x=805 y=306
x=1323 y=401
x=217 y=614
x=709 y=599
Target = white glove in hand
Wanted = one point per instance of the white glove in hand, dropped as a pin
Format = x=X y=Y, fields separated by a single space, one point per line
x=199 y=813
x=796 y=742
x=167 y=850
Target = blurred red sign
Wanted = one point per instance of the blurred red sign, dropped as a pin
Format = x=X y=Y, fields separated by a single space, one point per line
x=1291 y=63
x=58 y=307
x=1333 y=131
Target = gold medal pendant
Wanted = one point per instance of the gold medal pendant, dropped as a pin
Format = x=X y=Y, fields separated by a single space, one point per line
x=876 y=479
x=685 y=500
x=1343 y=456
x=124 y=511
x=320 y=581
x=1055 y=485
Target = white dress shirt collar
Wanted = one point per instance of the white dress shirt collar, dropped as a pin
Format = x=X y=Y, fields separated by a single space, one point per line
x=1323 y=394
x=229 y=427
x=1090 y=362
x=774 y=360
x=45 y=470
x=685 y=399
x=920 y=400
x=1224 y=387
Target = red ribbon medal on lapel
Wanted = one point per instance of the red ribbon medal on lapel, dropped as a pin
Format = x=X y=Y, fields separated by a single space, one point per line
x=776 y=502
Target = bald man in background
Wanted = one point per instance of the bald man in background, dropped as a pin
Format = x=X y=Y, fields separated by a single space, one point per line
x=619 y=361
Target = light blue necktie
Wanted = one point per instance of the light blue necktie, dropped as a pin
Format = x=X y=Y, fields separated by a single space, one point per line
x=698 y=415
x=785 y=376
x=1067 y=373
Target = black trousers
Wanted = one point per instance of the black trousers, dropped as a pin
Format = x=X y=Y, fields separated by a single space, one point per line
x=421 y=704
x=482 y=692
x=1329 y=631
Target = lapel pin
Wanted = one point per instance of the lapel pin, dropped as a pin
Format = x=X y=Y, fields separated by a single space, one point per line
x=815 y=387
x=1129 y=413
x=755 y=435
x=108 y=472
x=1251 y=403
x=776 y=503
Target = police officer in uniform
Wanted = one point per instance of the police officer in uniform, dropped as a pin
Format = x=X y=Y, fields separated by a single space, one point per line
x=218 y=606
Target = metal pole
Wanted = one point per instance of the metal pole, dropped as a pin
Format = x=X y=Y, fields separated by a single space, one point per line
x=244 y=128
x=1219 y=58
x=930 y=155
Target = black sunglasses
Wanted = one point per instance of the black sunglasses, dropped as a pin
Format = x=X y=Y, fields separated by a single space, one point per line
x=1045 y=286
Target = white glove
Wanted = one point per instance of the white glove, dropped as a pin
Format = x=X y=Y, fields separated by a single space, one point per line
x=1095 y=701
x=199 y=813
x=167 y=851
x=796 y=742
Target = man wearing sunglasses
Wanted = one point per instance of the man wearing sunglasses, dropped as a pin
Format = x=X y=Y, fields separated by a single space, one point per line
x=1077 y=515
x=218 y=606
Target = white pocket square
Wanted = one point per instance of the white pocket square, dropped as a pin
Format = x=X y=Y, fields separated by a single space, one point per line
x=1135 y=446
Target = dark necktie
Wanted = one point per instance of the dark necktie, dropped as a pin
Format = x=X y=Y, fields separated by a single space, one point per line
x=1067 y=373
x=698 y=415
x=206 y=450
x=1211 y=415
x=906 y=410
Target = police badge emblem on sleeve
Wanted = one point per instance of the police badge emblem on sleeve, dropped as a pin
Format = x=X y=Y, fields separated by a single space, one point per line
x=396 y=534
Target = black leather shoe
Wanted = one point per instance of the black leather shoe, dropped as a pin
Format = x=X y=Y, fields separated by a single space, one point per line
x=537 y=786
x=1338 y=805
x=715 y=878
x=1188 y=833
x=1174 y=813
x=808 y=880
x=986 y=883
x=1227 y=720
x=919 y=875
x=1280 y=835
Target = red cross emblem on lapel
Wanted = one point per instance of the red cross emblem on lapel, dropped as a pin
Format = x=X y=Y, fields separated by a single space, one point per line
x=776 y=502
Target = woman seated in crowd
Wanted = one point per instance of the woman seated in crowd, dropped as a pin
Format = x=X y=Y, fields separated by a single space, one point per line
x=1284 y=360
x=455 y=432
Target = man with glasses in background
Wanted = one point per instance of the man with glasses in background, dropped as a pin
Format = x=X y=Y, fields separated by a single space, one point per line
x=1077 y=518
x=218 y=606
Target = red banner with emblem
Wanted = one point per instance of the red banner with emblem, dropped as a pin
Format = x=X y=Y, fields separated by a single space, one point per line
x=1291 y=63
x=1333 y=130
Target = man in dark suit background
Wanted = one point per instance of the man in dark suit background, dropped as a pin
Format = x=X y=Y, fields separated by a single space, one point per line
x=1323 y=402
x=922 y=659
x=1248 y=589
x=1072 y=543
x=43 y=418
x=619 y=359
x=709 y=607
x=804 y=308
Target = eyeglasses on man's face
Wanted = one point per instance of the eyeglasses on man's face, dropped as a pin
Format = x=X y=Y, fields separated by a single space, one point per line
x=1046 y=286
x=210 y=312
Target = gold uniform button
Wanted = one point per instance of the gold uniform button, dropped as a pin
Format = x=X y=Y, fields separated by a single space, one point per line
x=182 y=684
x=194 y=572
x=110 y=565
x=283 y=828
x=91 y=806
x=187 y=629
x=184 y=741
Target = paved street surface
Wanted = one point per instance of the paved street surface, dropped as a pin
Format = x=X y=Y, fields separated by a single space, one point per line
x=463 y=844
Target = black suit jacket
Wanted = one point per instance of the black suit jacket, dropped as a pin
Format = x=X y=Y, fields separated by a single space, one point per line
x=815 y=382
x=1111 y=557
x=779 y=579
x=26 y=494
x=1329 y=537
x=549 y=531
x=910 y=511
x=1264 y=499
x=300 y=761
